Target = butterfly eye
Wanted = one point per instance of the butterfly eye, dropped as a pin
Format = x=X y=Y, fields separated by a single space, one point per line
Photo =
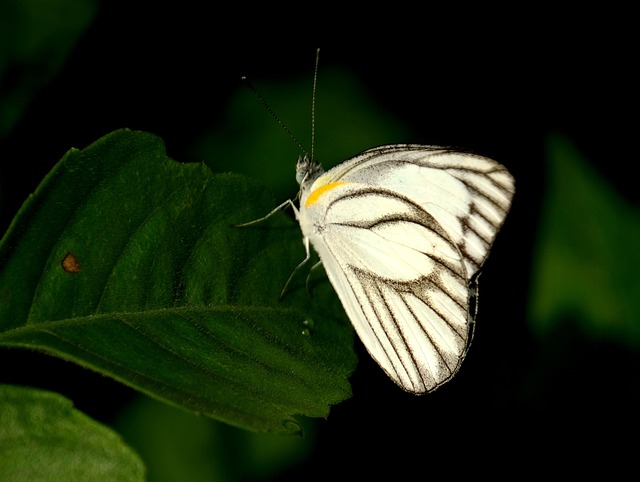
x=307 y=170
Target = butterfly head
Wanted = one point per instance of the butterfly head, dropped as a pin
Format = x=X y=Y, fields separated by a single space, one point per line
x=307 y=171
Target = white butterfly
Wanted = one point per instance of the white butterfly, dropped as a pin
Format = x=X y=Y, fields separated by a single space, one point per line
x=402 y=231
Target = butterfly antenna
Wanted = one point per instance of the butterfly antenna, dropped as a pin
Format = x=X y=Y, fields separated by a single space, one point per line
x=313 y=105
x=273 y=114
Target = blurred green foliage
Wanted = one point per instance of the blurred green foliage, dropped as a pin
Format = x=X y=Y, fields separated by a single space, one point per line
x=249 y=141
x=174 y=443
x=585 y=268
x=36 y=37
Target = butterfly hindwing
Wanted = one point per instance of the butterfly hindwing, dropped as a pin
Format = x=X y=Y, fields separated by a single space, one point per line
x=400 y=279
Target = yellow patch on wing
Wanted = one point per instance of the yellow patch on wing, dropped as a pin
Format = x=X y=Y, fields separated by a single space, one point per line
x=315 y=195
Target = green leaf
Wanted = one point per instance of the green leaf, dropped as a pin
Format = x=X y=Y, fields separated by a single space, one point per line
x=42 y=437
x=587 y=253
x=128 y=263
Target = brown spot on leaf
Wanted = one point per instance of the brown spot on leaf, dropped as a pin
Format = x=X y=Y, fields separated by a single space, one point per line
x=70 y=263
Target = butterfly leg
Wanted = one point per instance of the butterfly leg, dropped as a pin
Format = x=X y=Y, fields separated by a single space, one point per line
x=282 y=206
x=304 y=261
x=319 y=263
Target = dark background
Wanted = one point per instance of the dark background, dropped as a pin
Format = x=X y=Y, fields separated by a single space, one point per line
x=494 y=82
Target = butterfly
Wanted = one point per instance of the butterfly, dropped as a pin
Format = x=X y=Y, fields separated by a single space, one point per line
x=402 y=231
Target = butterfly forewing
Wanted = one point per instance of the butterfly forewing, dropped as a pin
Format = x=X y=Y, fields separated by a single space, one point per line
x=468 y=195
x=401 y=231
